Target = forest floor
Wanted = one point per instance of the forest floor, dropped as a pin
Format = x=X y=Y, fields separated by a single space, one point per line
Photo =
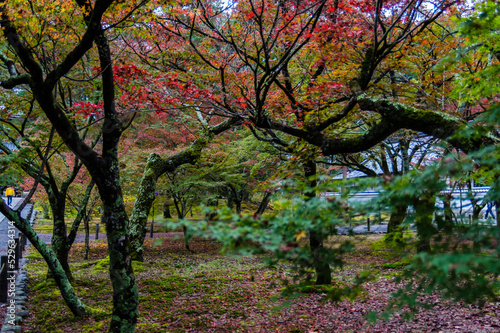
x=205 y=291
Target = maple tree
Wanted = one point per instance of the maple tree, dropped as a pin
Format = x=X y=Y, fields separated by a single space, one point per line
x=312 y=70
x=61 y=172
x=309 y=77
x=29 y=67
x=155 y=167
x=40 y=157
x=43 y=76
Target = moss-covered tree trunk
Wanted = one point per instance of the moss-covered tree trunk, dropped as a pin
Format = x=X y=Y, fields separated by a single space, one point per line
x=398 y=215
x=166 y=210
x=59 y=275
x=424 y=210
x=264 y=203
x=59 y=242
x=142 y=206
x=106 y=175
x=155 y=167
x=125 y=293
x=322 y=267
x=62 y=240
x=86 y=222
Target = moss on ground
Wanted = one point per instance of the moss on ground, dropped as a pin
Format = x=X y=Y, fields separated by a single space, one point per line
x=202 y=291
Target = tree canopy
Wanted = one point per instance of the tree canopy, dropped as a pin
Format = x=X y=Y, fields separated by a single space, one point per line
x=133 y=91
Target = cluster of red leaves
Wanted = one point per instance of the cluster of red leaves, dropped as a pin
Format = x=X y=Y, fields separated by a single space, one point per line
x=87 y=109
x=142 y=90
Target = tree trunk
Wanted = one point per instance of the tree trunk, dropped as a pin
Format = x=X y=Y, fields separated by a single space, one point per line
x=264 y=203
x=106 y=174
x=59 y=244
x=67 y=292
x=398 y=216
x=236 y=197
x=230 y=200
x=424 y=210
x=238 y=206
x=125 y=293
x=180 y=215
x=323 y=272
x=86 y=222
x=448 y=212
x=213 y=203
x=166 y=211
x=186 y=238
x=62 y=241
x=142 y=206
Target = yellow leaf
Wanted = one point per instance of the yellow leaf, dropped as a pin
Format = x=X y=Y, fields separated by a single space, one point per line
x=300 y=235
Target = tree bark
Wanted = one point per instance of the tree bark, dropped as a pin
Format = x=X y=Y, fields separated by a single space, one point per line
x=86 y=222
x=67 y=292
x=448 y=223
x=323 y=271
x=180 y=215
x=125 y=293
x=424 y=210
x=166 y=210
x=264 y=203
x=398 y=216
x=62 y=240
x=59 y=241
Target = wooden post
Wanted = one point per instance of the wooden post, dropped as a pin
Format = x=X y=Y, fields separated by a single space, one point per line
x=3 y=279
x=97 y=231
x=368 y=224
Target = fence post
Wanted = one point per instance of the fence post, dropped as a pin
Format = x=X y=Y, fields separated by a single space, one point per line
x=97 y=231
x=368 y=224
x=3 y=279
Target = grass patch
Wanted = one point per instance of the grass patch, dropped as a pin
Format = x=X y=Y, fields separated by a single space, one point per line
x=394 y=265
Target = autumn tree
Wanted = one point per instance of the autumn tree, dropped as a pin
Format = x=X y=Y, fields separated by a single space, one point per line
x=311 y=70
x=60 y=172
x=28 y=66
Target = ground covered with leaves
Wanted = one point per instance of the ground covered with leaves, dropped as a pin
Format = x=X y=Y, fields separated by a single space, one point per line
x=204 y=291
